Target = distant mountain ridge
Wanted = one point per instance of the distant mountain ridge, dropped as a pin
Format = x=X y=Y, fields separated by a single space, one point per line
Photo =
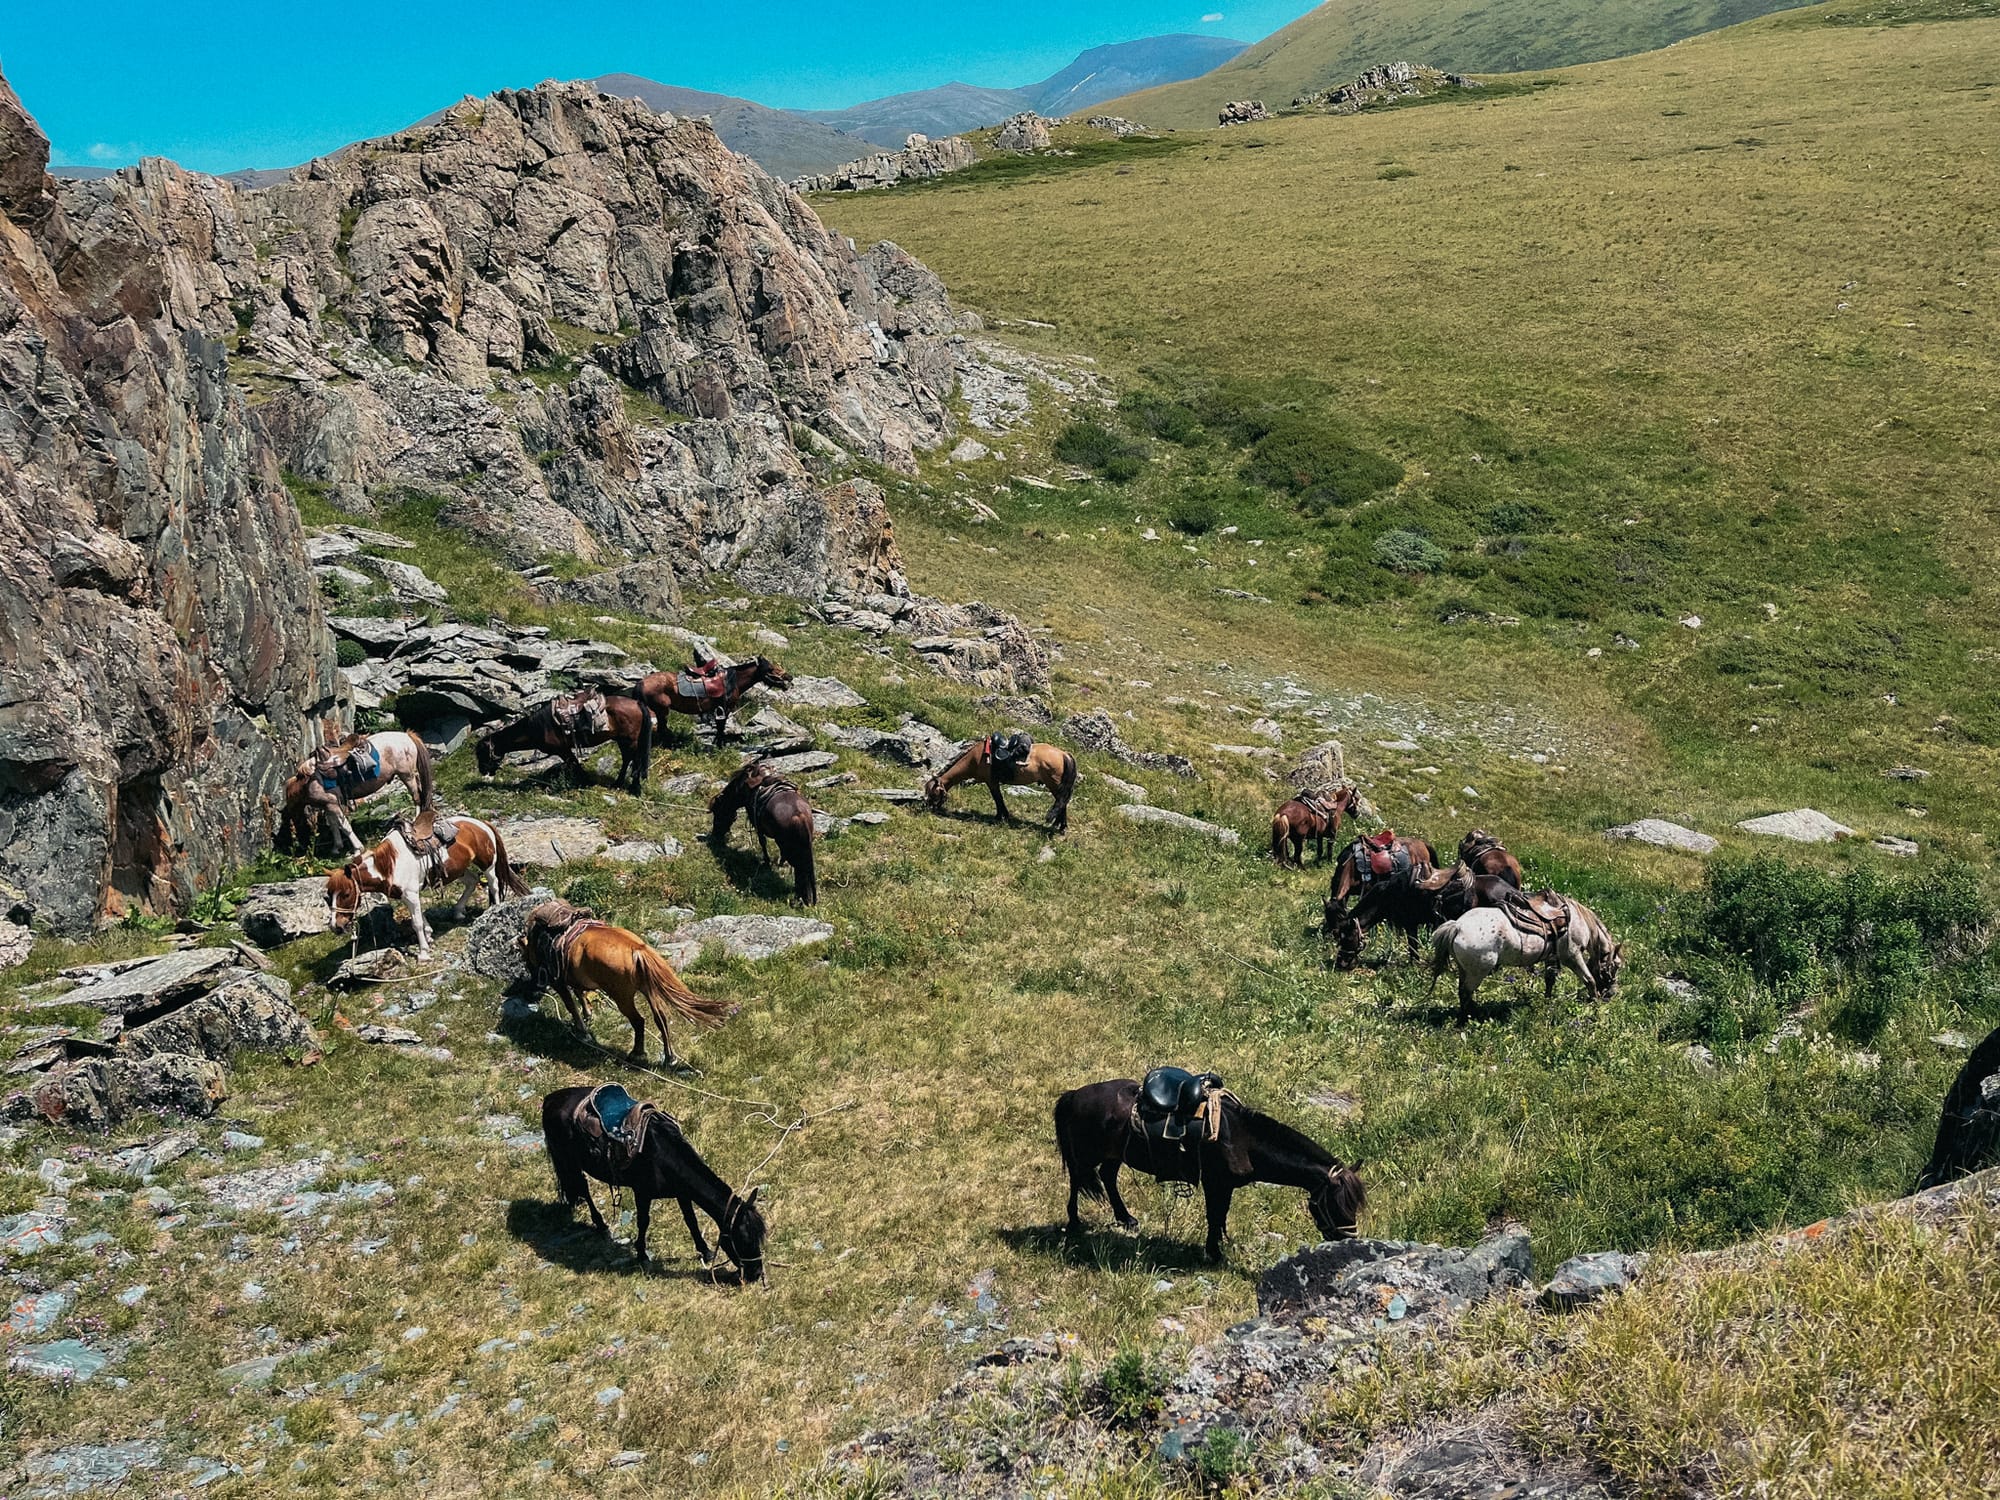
x=783 y=142
x=1096 y=75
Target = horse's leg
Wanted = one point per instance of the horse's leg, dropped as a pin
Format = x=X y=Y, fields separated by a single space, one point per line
x=999 y=801
x=645 y=1220
x=591 y=1204
x=419 y=925
x=1108 y=1175
x=577 y=774
x=694 y=1229
x=1075 y=1225
x=577 y=1004
x=341 y=822
x=1218 y=1192
x=763 y=845
x=638 y=1019
x=472 y=879
x=1468 y=986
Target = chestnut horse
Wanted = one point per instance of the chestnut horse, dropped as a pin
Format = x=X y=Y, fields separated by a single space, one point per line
x=663 y=694
x=593 y=955
x=1096 y=1135
x=397 y=869
x=1483 y=854
x=1395 y=898
x=335 y=777
x=1311 y=816
x=778 y=810
x=665 y=1166
x=1047 y=766
x=630 y=726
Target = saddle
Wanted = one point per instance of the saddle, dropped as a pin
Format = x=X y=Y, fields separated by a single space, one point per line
x=429 y=836
x=362 y=765
x=1173 y=1102
x=612 y=1118
x=710 y=682
x=1382 y=857
x=1009 y=752
x=1476 y=843
x=764 y=791
x=547 y=935
x=582 y=715
x=1543 y=915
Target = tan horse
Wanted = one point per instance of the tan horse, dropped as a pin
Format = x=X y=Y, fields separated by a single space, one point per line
x=595 y=955
x=1046 y=766
x=409 y=859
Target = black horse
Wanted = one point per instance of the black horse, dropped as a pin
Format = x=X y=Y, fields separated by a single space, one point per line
x=666 y=1166
x=778 y=810
x=1097 y=1134
x=1391 y=895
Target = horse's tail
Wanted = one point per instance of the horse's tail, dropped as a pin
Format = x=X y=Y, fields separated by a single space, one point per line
x=663 y=990
x=1067 y=785
x=1080 y=1175
x=426 y=779
x=1281 y=830
x=1442 y=939
x=645 y=739
x=510 y=882
x=805 y=874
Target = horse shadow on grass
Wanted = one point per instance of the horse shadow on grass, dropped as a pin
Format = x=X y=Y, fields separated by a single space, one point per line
x=1104 y=1248
x=543 y=1028
x=747 y=873
x=567 y=1238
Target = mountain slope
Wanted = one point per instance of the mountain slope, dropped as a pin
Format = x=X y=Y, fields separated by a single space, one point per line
x=783 y=143
x=1093 y=77
x=1330 y=45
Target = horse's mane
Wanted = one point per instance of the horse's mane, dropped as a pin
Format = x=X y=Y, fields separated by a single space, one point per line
x=1275 y=1132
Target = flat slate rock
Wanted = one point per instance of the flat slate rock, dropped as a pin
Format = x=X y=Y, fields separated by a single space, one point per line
x=819 y=692
x=1140 y=813
x=1902 y=848
x=87 y=1467
x=547 y=842
x=1803 y=825
x=1665 y=835
x=155 y=980
x=893 y=793
x=690 y=785
x=64 y=1360
x=645 y=851
x=803 y=761
x=1583 y=1279
x=751 y=937
x=1129 y=790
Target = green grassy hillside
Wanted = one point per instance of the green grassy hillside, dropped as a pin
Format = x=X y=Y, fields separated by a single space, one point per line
x=1332 y=43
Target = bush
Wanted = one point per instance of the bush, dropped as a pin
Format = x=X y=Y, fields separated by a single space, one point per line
x=1193 y=515
x=1223 y=1455
x=1392 y=174
x=1318 y=466
x=1156 y=416
x=1091 y=445
x=1409 y=552
x=1516 y=518
x=1133 y=1386
x=348 y=653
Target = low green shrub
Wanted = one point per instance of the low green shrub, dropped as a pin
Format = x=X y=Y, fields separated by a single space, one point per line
x=1409 y=552
x=348 y=653
x=1319 y=466
x=1093 y=446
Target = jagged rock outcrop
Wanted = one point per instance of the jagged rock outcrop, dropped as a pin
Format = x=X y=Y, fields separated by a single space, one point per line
x=590 y=329
x=1242 y=112
x=1383 y=84
x=1023 y=133
x=163 y=658
x=920 y=158
x=1116 y=125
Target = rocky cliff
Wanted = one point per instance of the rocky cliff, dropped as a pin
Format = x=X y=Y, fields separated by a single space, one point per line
x=162 y=651
x=592 y=329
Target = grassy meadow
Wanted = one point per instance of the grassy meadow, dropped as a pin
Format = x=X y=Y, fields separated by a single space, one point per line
x=1709 y=332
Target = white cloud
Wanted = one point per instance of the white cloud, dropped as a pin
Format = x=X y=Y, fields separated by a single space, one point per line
x=1214 y=15
x=103 y=153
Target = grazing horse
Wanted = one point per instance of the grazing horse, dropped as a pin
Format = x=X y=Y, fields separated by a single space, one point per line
x=336 y=777
x=1588 y=951
x=1392 y=895
x=1047 y=766
x=411 y=858
x=568 y=950
x=626 y=720
x=1490 y=938
x=663 y=1165
x=683 y=693
x=1097 y=1132
x=1311 y=816
x=778 y=810
x=1483 y=854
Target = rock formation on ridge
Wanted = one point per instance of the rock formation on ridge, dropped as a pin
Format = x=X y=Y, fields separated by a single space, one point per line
x=163 y=658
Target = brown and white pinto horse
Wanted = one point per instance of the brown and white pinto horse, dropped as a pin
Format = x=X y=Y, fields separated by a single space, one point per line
x=1047 y=766
x=336 y=777
x=395 y=868
x=663 y=693
x=1313 y=816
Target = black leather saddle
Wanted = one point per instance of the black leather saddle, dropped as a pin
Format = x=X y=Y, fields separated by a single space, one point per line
x=1010 y=751
x=1170 y=1104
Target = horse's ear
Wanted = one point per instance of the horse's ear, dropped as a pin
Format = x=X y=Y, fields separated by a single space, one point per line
x=751 y=1201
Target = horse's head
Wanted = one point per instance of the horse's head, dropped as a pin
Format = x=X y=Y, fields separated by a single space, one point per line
x=1605 y=967
x=742 y=1235
x=1336 y=1206
x=735 y=793
x=486 y=754
x=343 y=896
x=772 y=675
x=934 y=793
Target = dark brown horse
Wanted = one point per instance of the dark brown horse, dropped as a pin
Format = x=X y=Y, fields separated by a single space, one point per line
x=1310 y=816
x=666 y=1166
x=683 y=693
x=1097 y=1134
x=626 y=721
x=778 y=810
x=1483 y=854
x=1388 y=894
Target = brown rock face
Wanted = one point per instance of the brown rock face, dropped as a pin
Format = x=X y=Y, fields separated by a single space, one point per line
x=593 y=329
x=162 y=650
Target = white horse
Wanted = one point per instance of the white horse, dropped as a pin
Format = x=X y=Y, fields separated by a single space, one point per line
x=408 y=860
x=1485 y=939
x=336 y=777
x=1588 y=951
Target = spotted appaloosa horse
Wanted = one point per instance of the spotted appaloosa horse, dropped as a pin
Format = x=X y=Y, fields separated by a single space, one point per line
x=404 y=863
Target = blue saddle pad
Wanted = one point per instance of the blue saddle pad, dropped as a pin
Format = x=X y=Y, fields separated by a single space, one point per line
x=613 y=1105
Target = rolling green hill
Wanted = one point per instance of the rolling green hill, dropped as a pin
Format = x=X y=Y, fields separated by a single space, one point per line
x=1331 y=44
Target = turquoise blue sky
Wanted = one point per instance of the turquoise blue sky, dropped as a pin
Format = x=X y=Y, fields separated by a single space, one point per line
x=229 y=84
